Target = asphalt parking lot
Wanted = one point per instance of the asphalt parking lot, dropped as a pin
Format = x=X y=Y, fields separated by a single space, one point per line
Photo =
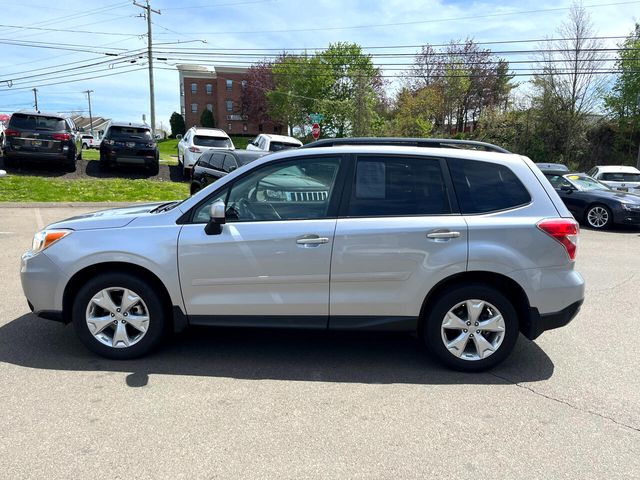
x=274 y=404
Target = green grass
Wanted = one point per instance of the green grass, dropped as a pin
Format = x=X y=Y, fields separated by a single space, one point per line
x=41 y=189
x=241 y=142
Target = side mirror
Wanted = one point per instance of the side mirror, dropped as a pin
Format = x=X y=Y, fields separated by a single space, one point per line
x=179 y=136
x=232 y=168
x=217 y=218
x=567 y=188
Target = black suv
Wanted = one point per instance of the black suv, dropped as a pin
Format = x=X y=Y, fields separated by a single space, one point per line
x=131 y=144
x=45 y=137
x=215 y=164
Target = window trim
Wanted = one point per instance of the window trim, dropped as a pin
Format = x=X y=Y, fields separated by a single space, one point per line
x=349 y=184
x=334 y=202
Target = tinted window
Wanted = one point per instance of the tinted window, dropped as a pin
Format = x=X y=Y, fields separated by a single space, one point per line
x=486 y=187
x=620 y=177
x=204 y=141
x=277 y=146
x=216 y=161
x=36 y=122
x=205 y=160
x=398 y=186
x=130 y=132
x=229 y=163
x=295 y=190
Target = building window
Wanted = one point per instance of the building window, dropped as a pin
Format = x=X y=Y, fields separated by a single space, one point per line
x=194 y=88
x=210 y=107
x=229 y=105
x=244 y=84
x=229 y=127
x=209 y=89
x=194 y=108
x=229 y=84
x=245 y=128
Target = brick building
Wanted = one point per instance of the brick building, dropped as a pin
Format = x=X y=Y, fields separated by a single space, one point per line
x=219 y=89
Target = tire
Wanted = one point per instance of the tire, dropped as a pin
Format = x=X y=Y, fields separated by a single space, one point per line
x=70 y=166
x=10 y=162
x=154 y=169
x=598 y=217
x=468 y=354
x=149 y=305
x=80 y=155
x=179 y=159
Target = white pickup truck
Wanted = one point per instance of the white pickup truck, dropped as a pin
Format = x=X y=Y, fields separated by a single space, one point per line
x=89 y=142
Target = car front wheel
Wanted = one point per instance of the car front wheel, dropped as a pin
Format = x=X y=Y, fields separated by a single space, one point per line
x=599 y=217
x=471 y=328
x=118 y=316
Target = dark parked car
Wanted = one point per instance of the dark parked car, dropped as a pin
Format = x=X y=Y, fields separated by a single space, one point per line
x=43 y=137
x=593 y=202
x=216 y=163
x=129 y=144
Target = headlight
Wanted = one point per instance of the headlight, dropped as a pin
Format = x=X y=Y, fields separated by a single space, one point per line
x=275 y=195
x=109 y=142
x=631 y=207
x=45 y=238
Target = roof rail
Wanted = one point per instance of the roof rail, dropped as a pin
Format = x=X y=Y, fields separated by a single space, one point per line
x=407 y=142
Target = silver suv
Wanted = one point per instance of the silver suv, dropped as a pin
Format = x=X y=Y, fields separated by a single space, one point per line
x=466 y=248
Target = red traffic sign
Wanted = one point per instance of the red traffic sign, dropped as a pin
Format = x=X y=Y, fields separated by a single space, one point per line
x=315 y=131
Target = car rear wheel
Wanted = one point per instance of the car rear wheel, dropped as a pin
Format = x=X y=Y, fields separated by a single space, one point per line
x=599 y=217
x=471 y=328
x=118 y=316
x=154 y=168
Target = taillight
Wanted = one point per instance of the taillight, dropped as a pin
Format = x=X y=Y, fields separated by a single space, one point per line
x=194 y=149
x=11 y=133
x=563 y=230
x=61 y=136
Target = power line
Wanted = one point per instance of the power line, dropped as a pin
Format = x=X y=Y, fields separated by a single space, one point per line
x=79 y=79
x=216 y=5
x=67 y=30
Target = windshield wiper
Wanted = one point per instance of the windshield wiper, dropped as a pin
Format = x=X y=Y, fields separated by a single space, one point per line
x=165 y=207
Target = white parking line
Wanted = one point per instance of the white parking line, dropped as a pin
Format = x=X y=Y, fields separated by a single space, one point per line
x=39 y=222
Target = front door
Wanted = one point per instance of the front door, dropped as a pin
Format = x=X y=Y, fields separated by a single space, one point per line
x=395 y=239
x=270 y=265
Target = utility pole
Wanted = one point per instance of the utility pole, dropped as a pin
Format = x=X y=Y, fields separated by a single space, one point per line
x=89 y=92
x=152 y=99
x=35 y=97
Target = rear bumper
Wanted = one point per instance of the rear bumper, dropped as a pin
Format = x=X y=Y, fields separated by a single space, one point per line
x=541 y=323
x=35 y=155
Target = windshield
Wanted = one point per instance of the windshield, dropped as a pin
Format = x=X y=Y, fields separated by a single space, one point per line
x=218 y=142
x=585 y=183
x=130 y=132
x=621 y=177
x=20 y=121
x=277 y=146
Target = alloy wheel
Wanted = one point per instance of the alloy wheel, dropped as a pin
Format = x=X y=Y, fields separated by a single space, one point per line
x=473 y=330
x=117 y=317
x=598 y=217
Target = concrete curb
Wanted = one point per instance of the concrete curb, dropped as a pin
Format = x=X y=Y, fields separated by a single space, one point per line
x=68 y=204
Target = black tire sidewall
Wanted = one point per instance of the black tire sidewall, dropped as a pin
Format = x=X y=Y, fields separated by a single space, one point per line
x=157 y=316
x=441 y=305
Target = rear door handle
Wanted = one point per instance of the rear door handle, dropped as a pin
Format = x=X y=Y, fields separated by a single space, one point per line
x=312 y=240
x=442 y=234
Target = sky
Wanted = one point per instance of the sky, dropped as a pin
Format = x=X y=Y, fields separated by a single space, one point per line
x=108 y=31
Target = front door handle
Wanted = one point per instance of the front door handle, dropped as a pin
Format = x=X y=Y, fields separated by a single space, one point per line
x=312 y=240
x=442 y=234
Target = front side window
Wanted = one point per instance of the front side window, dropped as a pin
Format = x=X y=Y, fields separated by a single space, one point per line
x=295 y=190
x=194 y=88
x=216 y=161
x=386 y=186
x=483 y=187
x=229 y=164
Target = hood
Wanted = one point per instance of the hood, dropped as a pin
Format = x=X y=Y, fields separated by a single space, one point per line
x=617 y=195
x=289 y=182
x=113 y=218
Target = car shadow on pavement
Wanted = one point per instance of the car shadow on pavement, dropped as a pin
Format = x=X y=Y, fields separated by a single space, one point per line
x=254 y=354
x=36 y=169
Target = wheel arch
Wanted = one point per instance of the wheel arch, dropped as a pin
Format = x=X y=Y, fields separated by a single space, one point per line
x=504 y=284
x=174 y=314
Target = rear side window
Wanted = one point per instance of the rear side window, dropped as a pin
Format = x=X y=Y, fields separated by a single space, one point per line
x=277 y=146
x=620 y=177
x=486 y=187
x=204 y=160
x=36 y=122
x=216 y=161
x=203 y=141
x=389 y=186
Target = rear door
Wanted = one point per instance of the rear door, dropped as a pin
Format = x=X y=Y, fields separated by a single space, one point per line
x=398 y=235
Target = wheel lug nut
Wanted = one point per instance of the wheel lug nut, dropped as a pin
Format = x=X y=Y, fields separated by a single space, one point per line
x=465 y=330
x=477 y=331
x=117 y=309
x=477 y=324
x=124 y=321
x=113 y=314
x=468 y=323
x=115 y=322
x=125 y=314
x=471 y=335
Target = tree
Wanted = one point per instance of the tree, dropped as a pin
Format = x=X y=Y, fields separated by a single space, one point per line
x=177 y=124
x=415 y=113
x=568 y=89
x=259 y=81
x=206 y=119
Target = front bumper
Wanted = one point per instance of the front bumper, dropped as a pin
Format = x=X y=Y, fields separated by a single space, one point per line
x=627 y=217
x=537 y=323
x=42 y=283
